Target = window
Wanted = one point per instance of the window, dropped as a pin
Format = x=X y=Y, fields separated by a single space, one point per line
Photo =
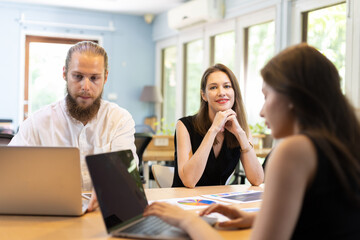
x=193 y=73
x=325 y=29
x=259 y=48
x=223 y=49
x=169 y=87
x=44 y=61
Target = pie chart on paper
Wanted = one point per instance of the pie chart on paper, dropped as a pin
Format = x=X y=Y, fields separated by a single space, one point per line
x=196 y=202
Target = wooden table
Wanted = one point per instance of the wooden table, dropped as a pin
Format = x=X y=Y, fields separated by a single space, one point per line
x=91 y=226
x=158 y=153
x=166 y=155
x=263 y=152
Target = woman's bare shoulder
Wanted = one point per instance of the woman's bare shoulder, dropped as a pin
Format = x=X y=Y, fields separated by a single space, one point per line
x=297 y=144
x=295 y=153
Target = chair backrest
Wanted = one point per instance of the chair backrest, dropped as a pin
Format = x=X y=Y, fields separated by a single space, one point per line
x=141 y=142
x=231 y=179
x=163 y=175
x=5 y=138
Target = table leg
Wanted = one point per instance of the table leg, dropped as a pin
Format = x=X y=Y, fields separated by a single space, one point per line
x=146 y=174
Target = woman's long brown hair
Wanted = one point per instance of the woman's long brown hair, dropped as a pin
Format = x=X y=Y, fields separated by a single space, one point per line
x=312 y=83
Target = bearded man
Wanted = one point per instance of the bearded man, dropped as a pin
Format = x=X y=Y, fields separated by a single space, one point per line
x=82 y=119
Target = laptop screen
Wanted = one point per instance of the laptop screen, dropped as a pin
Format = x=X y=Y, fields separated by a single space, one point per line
x=118 y=187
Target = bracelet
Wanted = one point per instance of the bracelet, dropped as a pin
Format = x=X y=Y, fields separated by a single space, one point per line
x=247 y=149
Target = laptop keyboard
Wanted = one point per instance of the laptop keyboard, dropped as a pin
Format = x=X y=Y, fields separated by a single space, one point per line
x=149 y=226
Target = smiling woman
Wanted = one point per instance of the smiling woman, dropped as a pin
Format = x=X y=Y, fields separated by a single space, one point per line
x=208 y=145
x=315 y=167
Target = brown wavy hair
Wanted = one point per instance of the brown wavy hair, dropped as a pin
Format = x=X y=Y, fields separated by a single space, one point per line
x=312 y=83
x=202 y=121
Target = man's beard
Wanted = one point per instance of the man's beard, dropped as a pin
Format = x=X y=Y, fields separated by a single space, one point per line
x=80 y=113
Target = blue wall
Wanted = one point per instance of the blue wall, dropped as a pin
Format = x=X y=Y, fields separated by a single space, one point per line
x=161 y=29
x=130 y=48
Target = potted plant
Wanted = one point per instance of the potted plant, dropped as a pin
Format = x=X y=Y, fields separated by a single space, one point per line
x=261 y=134
x=163 y=128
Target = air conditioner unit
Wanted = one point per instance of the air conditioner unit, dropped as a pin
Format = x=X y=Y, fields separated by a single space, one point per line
x=195 y=12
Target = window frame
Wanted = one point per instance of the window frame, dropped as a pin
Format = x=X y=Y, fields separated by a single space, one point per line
x=187 y=36
x=352 y=55
x=287 y=17
x=24 y=56
x=352 y=60
x=210 y=32
x=242 y=24
x=159 y=78
x=302 y=6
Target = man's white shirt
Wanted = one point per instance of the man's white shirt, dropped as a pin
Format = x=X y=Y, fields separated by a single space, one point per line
x=112 y=129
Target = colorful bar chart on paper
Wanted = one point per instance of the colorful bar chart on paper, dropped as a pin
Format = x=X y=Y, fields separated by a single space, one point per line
x=196 y=202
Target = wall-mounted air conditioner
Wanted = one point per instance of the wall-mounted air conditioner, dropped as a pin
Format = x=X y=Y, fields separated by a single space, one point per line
x=194 y=12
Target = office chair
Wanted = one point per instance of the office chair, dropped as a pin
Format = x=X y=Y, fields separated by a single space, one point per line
x=231 y=179
x=265 y=160
x=5 y=138
x=163 y=175
x=141 y=142
x=238 y=175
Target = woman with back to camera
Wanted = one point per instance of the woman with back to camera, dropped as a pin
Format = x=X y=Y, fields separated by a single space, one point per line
x=313 y=175
x=208 y=145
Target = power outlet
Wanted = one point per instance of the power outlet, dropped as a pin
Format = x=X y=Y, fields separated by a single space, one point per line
x=112 y=97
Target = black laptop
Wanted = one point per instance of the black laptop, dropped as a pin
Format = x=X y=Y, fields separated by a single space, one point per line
x=122 y=198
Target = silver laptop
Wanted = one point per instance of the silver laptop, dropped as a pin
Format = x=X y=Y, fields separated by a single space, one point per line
x=122 y=198
x=40 y=181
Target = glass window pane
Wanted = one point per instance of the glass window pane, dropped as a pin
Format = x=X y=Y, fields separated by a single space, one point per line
x=46 y=84
x=326 y=31
x=194 y=60
x=261 y=47
x=169 y=88
x=224 y=51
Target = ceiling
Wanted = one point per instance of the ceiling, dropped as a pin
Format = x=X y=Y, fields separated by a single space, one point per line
x=135 y=7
